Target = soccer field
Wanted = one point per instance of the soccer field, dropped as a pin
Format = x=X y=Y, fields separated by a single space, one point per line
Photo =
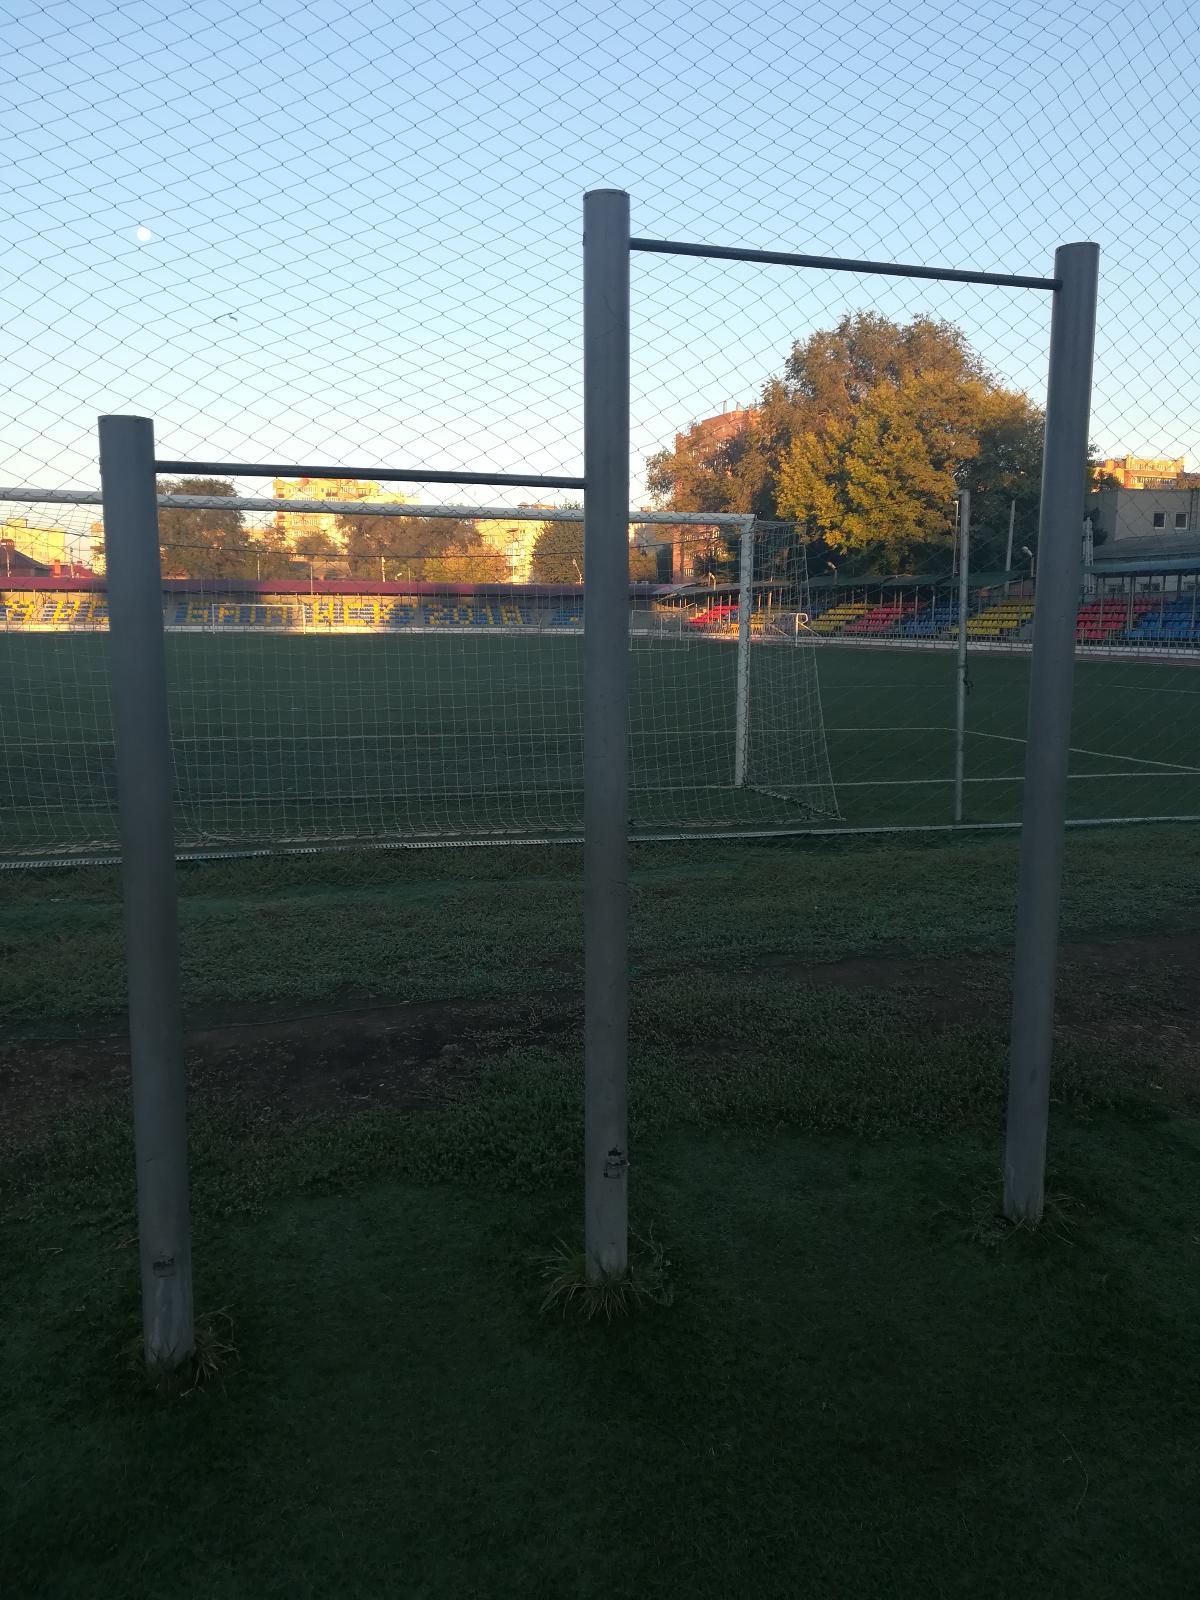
x=421 y=736
x=889 y=716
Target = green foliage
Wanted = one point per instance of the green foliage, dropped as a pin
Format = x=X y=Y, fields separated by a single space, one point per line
x=865 y=441
x=203 y=542
x=558 y=554
x=570 y=1291
x=419 y=549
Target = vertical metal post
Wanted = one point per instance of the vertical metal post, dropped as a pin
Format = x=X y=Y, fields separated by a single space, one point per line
x=1056 y=597
x=1089 y=556
x=145 y=791
x=1012 y=522
x=605 y=727
x=741 y=736
x=960 y=690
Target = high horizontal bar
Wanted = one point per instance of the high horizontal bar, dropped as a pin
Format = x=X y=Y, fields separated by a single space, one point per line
x=241 y=469
x=369 y=508
x=374 y=508
x=891 y=269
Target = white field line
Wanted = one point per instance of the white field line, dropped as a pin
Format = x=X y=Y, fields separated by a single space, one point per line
x=1103 y=755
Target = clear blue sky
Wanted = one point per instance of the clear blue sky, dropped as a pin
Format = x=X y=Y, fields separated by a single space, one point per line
x=365 y=217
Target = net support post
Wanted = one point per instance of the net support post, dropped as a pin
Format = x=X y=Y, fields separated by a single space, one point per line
x=960 y=680
x=741 y=736
x=146 y=827
x=1056 y=597
x=605 y=729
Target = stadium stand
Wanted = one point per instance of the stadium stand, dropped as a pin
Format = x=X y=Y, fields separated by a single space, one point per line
x=1005 y=620
x=1105 y=621
x=836 y=617
x=34 y=611
x=1172 y=622
x=1112 y=621
x=930 y=622
x=722 y=616
x=880 y=619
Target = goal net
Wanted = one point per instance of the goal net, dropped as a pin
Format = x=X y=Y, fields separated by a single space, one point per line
x=421 y=687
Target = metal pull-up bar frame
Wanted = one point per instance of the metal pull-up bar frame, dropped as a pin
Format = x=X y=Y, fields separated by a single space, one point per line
x=608 y=246
x=129 y=468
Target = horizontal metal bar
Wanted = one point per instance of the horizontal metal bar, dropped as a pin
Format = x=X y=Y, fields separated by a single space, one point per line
x=891 y=269
x=89 y=857
x=368 y=508
x=241 y=469
x=385 y=508
x=52 y=497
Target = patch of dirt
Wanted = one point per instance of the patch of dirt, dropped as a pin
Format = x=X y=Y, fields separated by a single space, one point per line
x=1134 y=995
x=343 y=1060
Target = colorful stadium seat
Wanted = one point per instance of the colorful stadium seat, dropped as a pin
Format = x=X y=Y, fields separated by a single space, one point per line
x=1004 y=620
x=834 y=620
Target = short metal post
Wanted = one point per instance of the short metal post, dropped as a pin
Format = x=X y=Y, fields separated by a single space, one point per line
x=1056 y=597
x=605 y=728
x=741 y=736
x=145 y=798
x=960 y=707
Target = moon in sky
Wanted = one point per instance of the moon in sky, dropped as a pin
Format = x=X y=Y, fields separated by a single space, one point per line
x=143 y=235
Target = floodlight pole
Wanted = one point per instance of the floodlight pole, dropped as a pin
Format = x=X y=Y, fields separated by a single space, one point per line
x=1056 y=598
x=741 y=736
x=960 y=705
x=145 y=800
x=605 y=729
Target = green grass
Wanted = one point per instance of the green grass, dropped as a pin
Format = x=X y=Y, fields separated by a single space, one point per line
x=428 y=736
x=313 y=932
x=850 y=1378
x=861 y=1384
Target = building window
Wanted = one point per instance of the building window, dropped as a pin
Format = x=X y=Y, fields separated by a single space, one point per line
x=1160 y=519
x=1181 y=519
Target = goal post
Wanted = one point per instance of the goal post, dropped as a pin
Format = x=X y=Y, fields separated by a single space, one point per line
x=441 y=705
x=742 y=709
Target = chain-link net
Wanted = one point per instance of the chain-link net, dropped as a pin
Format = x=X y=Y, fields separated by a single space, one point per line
x=416 y=692
x=348 y=236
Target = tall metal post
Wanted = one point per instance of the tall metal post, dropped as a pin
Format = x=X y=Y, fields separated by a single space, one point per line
x=741 y=734
x=605 y=728
x=1039 y=882
x=960 y=690
x=1012 y=523
x=145 y=791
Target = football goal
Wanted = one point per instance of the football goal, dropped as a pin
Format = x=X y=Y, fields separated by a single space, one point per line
x=427 y=690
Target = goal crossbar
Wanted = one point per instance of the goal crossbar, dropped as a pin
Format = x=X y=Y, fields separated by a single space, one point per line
x=207 y=502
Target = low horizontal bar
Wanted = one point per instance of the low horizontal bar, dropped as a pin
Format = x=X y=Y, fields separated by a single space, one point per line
x=88 y=857
x=384 y=508
x=891 y=269
x=241 y=469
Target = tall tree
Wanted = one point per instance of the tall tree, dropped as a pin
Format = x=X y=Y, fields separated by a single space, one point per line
x=1005 y=476
x=416 y=549
x=203 y=542
x=318 y=553
x=864 y=440
x=558 y=556
x=558 y=553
